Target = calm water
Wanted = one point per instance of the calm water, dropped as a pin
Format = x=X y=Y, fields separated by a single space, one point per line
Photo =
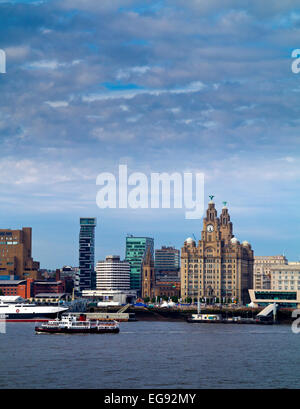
x=152 y=355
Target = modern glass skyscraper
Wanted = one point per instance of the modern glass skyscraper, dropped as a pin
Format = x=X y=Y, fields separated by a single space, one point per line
x=136 y=250
x=87 y=275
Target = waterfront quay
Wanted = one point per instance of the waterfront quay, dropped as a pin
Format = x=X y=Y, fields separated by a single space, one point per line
x=181 y=313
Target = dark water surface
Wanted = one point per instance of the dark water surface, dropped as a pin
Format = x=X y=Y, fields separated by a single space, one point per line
x=152 y=355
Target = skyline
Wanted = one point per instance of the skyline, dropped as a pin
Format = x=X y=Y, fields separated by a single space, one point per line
x=162 y=86
x=105 y=249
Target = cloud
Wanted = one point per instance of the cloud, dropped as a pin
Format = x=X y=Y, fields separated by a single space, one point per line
x=128 y=94
x=199 y=85
x=57 y=104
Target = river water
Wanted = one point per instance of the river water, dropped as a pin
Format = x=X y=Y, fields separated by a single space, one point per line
x=152 y=355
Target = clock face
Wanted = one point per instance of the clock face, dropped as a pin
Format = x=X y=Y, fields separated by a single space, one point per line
x=210 y=228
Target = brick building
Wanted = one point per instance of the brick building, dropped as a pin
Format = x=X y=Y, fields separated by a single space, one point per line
x=54 y=287
x=21 y=288
x=15 y=254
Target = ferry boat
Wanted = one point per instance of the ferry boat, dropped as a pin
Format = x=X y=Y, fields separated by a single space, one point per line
x=70 y=324
x=12 y=311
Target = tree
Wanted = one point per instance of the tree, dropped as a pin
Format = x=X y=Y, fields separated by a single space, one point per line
x=189 y=300
x=146 y=299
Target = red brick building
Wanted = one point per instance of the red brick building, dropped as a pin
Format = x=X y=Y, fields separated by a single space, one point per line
x=41 y=287
x=21 y=288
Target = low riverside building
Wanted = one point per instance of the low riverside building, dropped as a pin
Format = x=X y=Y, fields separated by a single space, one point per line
x=56 y=287
x=50 y=298
x=283 y=298
x=115 y=296
x=22 y=288
x=167 y=289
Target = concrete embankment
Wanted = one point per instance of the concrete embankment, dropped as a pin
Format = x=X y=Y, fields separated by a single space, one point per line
x=182 y=313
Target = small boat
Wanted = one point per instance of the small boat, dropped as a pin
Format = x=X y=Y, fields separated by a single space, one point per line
x=70 y=324
x=215 y=318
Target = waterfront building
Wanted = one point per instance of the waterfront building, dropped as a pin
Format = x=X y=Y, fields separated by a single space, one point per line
x=16 y=254
x=167 y=289
x=283 y=298
x=285 y=277
x=262 y=270
x=113 y=274
x=21 y=288
x=50 y=298
x=116 y=296
x=86 y=275
x=49 y=287
x=219 y=267
x=136 y=249
x=167 y=261
x=148 y=276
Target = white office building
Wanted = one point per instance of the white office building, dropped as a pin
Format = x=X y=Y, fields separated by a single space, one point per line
x=286 y=277
x=113 y=274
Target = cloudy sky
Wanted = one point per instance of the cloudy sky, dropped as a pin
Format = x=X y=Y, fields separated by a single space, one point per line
x=162 y=86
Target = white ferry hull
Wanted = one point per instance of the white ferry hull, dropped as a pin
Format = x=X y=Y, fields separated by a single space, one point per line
x=24 y=313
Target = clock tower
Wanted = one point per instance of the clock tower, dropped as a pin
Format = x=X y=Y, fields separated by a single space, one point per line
x=219 y=268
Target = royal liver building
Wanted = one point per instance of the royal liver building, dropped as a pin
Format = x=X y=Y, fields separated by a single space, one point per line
x=219 y=268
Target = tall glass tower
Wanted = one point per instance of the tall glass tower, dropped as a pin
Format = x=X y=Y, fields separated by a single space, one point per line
x=136 y=250
x=87 y=275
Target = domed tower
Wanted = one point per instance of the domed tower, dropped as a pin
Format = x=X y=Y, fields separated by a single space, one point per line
x=219 y=267
x=225 y=225
x=211 y=223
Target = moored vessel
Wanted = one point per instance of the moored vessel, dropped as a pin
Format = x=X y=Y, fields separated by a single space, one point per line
x=70 y=324
x=21 y=311
x=215 y=318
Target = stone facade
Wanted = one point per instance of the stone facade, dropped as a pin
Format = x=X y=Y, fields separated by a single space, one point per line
x=285 y=277
x=148 y=276
x=262 y=270
x=219 y=267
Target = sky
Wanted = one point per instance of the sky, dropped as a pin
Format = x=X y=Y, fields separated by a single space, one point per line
x=199 y=86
